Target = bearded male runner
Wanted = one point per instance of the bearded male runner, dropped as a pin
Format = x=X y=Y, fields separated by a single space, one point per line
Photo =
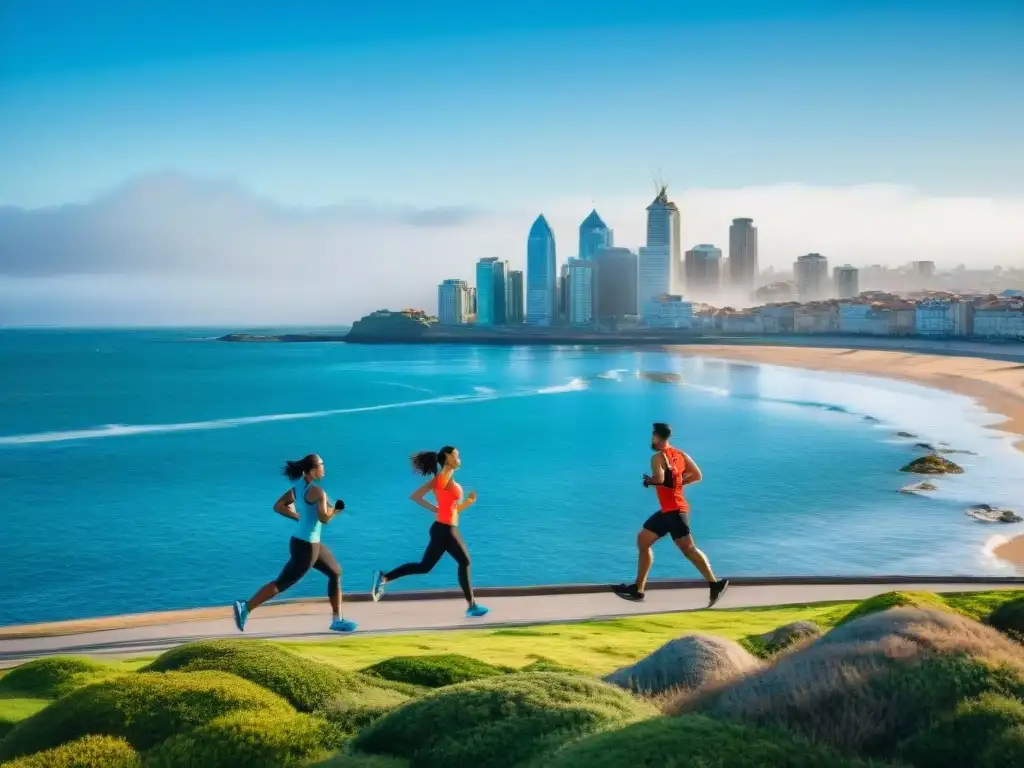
x=671 y=470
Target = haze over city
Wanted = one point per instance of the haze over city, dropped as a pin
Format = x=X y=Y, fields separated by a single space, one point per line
x=311 y=165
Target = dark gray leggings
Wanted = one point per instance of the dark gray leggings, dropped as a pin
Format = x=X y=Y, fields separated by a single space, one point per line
x=443 y=538
x=306 y=555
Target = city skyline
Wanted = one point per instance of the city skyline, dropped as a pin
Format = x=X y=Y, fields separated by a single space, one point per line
x=162 y=170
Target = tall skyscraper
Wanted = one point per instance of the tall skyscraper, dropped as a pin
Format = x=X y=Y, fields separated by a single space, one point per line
x=594 y=236
x=541 y=275
x=616 y=276
x=562 y=316
x=703 y=269
x=847 y=282
x=514 y=298
x=656 y=277
x=743 y=267
x=452 y=302
x=663 y=229
x=811 y=272
x=582 y=287
x=490 y=291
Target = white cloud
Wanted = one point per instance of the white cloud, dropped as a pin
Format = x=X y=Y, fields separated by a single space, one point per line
x=171 y=249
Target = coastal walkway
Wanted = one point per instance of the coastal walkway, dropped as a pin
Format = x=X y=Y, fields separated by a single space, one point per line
x=147 y=634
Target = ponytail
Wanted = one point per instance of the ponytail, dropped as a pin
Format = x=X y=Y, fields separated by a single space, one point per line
x=430 y=462
x=293 y=470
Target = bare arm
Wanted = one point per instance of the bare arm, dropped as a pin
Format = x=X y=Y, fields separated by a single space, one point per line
x=285 y=506
x=469 y=501
x=692 y=473
x=657 y=476
x=419 y=496
x=324 y=510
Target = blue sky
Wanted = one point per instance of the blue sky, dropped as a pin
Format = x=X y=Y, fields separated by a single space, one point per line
x=311 y=103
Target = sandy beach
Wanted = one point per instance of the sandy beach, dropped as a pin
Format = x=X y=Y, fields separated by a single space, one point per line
x=998 y=385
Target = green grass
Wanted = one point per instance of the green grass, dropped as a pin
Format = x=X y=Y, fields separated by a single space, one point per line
x=53 y=677
x=14 y=710
x=434 y=671
x=982 y=732
x=87 y=752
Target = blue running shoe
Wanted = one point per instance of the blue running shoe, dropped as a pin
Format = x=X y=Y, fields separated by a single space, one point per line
x=377 y=588
x=241 y=614
x=343 y=625
x=476 y=611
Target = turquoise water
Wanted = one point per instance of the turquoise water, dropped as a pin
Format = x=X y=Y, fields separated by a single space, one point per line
x=138 y=469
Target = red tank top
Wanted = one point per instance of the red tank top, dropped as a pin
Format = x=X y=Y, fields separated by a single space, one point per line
x=447 y=500
x=670 y=496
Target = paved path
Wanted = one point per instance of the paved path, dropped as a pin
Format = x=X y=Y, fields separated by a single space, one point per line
x=308 y=620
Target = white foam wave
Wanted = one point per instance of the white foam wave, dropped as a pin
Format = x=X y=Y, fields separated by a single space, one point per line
x=484 y=391
x=613 y=375
x=718 y=391
x=575 y=385
x=405 y=386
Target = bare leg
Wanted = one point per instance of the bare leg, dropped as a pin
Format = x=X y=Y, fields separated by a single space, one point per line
x=645 y=557
x=264 y=593
x=699 y=559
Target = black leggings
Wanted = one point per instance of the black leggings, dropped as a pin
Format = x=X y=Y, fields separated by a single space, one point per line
x=443 y=538
x=306 y=555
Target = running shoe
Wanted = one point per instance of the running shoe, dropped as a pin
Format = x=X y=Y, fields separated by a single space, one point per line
x=377 y=588
x=241 y=614
x=476 y=610
x=629 y=592
x=717 y=590
x=343 y=625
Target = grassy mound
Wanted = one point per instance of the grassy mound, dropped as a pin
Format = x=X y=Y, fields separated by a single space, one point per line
x=309 y=685
x=434 y=671
x=923 y=627
x=987 y=732
x=252 y=739
x=769 y=644
x=500 y=722
x=346 y=760
x=547 y=665
x=686 y=663
x=13 y=711
x=1009 y=618
x=87 y=752
x=697 y=741
x=145 y=709
x=888 y=600
x=52 y=678
x=867 y=696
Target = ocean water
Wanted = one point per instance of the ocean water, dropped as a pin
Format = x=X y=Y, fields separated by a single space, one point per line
x=138 y=469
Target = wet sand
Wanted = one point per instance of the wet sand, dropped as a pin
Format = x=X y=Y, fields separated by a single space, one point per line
x=1011 y=551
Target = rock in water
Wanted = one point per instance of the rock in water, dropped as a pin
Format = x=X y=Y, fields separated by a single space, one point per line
x=919 y=487
x=989 y=514
x=933 y=464
x=905 y=434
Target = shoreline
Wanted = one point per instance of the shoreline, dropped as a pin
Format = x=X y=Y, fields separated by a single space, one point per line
x=997 y=385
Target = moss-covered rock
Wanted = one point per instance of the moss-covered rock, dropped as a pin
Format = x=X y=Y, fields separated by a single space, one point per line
x=867 y=695
x=1009 y=618
x=143 y=708
x=309 y=685
x=685 y=663
x=52 y=678
x=987 y=732
x=933 y=464
x=889 y=600
x=666 y=742
x=250 y=739
x=434 y=671
x=500 y=722
x=87 y=752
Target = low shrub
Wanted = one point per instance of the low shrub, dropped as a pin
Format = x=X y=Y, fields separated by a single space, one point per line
x=547 y=665
x=987 y=732
x=308 y=685
x=434 y=671
x=884 y=602
x=346 y=760
x=500 y=722
x=87 y=752
x=776 y=641
x=52 y=678
x=686 y=663
x=143 y=708
x=865 y=697
x=252 y=739
x=1009 y=618
x=697 y=741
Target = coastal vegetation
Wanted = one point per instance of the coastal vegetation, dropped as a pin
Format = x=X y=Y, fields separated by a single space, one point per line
x=906 y=678
x=933 y=464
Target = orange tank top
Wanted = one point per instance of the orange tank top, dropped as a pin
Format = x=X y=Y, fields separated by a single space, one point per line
x=670 y=496
x=447 y=500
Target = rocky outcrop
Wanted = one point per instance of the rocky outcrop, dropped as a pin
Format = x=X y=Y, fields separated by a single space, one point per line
x=942 y=448
x=933 y=464
x=919 y=487
x=989 y=514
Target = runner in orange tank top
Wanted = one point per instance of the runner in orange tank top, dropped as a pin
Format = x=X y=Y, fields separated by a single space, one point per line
x=671 y=471
x=444 y=533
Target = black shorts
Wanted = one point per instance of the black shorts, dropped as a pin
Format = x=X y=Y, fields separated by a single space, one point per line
x=674 y=524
